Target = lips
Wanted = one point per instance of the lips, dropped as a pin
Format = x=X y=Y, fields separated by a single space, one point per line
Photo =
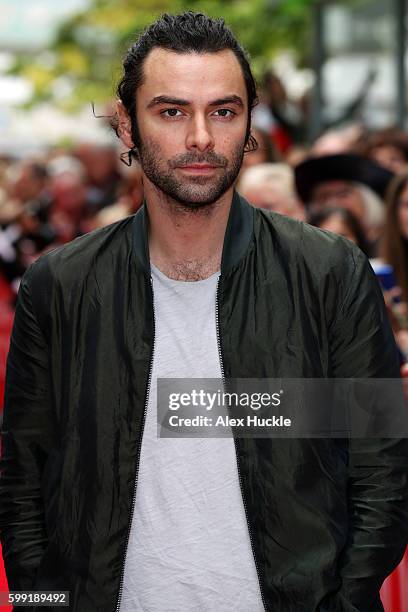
x=199 y=167
x=193 y=162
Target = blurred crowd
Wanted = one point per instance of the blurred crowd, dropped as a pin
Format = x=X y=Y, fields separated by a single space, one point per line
x=350 y=181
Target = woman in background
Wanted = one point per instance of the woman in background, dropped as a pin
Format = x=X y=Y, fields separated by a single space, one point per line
x=340 y=221
x=394 y=251
x=394 y=243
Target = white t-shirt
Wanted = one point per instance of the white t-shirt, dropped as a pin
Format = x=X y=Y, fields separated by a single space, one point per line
x=189 y=547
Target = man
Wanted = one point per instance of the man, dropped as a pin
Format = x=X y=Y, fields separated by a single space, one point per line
x=196 y=284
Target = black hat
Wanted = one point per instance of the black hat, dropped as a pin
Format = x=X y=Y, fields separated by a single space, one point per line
x=341 y=167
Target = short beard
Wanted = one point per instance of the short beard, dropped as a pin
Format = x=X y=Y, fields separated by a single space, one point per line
x=196 y=193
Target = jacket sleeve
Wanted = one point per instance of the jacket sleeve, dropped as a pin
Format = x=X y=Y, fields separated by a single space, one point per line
x=362 y=346
x=27 y=434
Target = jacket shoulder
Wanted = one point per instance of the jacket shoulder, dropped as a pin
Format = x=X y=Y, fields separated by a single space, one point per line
x=301 y=244
x=74 y=259
x=86 y=261
x=329 y=267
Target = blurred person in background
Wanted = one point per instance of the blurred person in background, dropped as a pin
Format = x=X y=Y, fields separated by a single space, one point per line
x=342 y=222
x=130 y=199
x=102 y=174
x=25 y=217
x=388 y=147
x=271 y=186
x=337 y=141
x=47 y=202
x=394 y=251
x=286 y=117
x=131 y=188
x=296 y=155
x=394 y=243
x=264 y=153
x=289 y=118
x=347 y=181
x=29 y=184
x=68 y=186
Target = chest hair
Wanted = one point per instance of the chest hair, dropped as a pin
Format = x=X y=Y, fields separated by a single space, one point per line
x=190 y=270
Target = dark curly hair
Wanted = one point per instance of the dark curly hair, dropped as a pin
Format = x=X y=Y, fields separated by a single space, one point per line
x=187 y=32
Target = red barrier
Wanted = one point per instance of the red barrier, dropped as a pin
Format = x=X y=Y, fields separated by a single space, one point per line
x=6 y=323
x=394 y=593
x=3 y=584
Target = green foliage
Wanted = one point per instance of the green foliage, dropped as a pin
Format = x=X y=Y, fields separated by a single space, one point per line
x=86 y=54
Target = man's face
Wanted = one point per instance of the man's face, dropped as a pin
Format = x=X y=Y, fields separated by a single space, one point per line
x=192 y=113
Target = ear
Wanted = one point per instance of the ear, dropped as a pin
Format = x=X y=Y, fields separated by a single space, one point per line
x=124 y=125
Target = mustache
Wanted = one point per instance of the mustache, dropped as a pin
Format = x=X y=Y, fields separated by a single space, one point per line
x=192 y=158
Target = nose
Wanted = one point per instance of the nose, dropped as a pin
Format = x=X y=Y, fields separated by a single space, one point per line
x=199 y=135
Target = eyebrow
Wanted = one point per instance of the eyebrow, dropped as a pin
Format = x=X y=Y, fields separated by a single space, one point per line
x=180 y=102
x=167 y=100
x=228 y=100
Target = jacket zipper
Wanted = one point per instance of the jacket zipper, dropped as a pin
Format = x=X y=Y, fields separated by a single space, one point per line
x=217 y=324
x=149 y=381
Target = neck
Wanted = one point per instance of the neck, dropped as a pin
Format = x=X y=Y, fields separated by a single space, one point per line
x=186 y=243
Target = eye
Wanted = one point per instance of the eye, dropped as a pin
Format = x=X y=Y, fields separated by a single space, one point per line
x=171 y=112
x=225 y=113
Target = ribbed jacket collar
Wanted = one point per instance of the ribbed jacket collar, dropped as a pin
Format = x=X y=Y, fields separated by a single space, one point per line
x=236 y=241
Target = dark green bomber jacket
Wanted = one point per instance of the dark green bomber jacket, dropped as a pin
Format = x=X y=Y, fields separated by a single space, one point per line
x=328 y=519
